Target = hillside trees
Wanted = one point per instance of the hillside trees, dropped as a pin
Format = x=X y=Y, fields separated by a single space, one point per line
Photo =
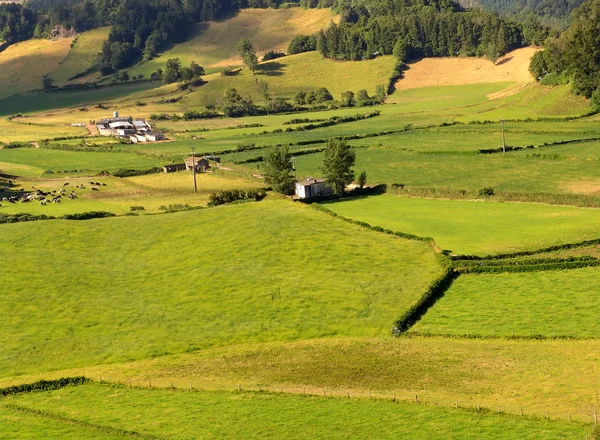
x=337 y=164
x=576 y=53
x=248 y=54
x=278 y=170
x=233 y=105
x=413 y=29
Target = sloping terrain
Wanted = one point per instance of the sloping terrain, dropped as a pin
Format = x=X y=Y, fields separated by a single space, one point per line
x=23 y=65
x=451 y=71
x=82 y=56
x=213 y=44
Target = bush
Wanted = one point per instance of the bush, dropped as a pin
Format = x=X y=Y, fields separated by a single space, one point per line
x=302 y=43
x=136 y=208
x=487 y=191
x=231 y=196
x=272 y=55
x=122 y=172
x=88 y=215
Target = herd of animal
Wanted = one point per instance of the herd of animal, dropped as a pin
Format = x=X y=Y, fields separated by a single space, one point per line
x=45 y=197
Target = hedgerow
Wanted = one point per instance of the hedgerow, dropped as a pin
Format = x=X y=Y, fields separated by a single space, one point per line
x=44 y=385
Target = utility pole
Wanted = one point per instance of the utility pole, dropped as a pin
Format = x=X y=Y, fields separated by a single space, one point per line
x=294 y=167
x=194 y=169
x=503 y=143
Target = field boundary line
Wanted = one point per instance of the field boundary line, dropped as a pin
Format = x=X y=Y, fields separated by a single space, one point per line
x=69 y=420
x=44 y=385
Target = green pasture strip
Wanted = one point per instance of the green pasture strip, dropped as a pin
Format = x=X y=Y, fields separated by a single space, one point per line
x=505 y=173
x=475 y=227
x=533 y=101
x=112 y=290
x=523 y=264
x=551 y=303
x=444 y=97
x=580 y=200
x=554 y=375
x=82 y=55
x=22 y=160
x=37 y=101
x=20 y=425
x=260 y=415
x=583 y=150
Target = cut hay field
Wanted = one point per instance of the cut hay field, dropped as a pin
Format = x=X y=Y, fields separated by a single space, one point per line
x=23 y=65
x=555 y=303
x=213 y=44
x=447 y=71
x=127 y=288
x=475 y=227
x=81 y=57
x=259 y=415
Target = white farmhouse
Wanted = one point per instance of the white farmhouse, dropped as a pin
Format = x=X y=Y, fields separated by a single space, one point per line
x=309 y=188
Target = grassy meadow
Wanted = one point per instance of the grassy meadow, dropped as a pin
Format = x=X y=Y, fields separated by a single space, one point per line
x=81 y=57
x=33 y=162
x=22 y=65
x=153 y=192
x=554 y=375
x=555 y=303
x=227 y=275
x=475 y=227
x=259 y=415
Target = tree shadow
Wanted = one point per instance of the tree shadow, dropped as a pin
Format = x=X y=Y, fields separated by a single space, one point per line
x=505 y=60
x=271 y=69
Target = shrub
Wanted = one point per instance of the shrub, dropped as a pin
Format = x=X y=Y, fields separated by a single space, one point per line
x=272 y=55
x=231 y=196
x=136 y=208
x=88 y=215
x=487 y=191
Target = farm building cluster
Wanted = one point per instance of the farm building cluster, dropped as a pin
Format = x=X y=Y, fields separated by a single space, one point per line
x=137 y=130
x=200 y=163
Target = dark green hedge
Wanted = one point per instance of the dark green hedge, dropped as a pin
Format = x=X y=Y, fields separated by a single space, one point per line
x=88 y=215
x=44 y=385
x=434 y=292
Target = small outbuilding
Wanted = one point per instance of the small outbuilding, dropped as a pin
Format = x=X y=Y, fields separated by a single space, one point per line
x=171 y=168
x=153 y=136
x=200 y=163
x=309 y=188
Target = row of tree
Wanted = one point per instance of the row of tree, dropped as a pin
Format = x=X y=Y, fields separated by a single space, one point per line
x=575 y=55
x=339 y=158
x=425 y=31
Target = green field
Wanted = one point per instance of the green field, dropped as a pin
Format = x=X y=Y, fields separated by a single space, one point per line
x=182 y=415
x=153 y=192
x=82 y=55
x=494 y=373
x=33 y=162
x=465 y=172
x=558 y=303
x=302 y=72
x=475 y=227
x=116 y=290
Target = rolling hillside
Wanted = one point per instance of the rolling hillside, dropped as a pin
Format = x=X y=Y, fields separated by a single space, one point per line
x=23 y=65
x=212 y=45
x=81 y=57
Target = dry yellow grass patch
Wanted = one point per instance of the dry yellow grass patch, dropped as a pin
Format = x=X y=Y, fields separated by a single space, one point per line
x=587 y=186
x=23 y=65
x=452 y=71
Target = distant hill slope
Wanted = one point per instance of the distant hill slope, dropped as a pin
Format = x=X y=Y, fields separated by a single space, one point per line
x=23 y=65
x=212 y=45
x=82 y=55
x=302 y=72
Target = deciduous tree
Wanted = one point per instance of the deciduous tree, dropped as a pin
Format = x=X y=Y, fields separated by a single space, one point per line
x=337 y=164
